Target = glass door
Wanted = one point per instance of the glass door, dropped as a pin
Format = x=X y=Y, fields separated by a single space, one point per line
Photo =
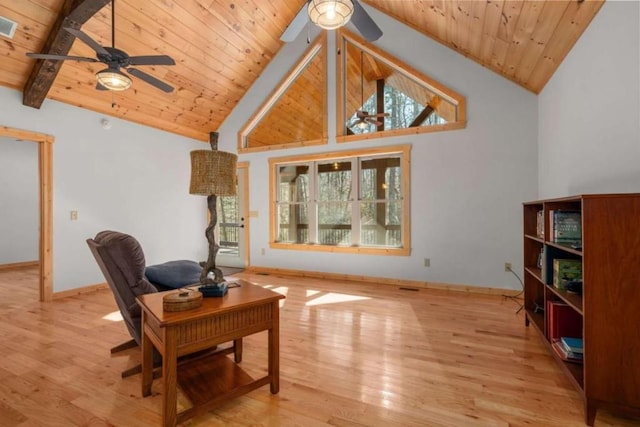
x=232 y=225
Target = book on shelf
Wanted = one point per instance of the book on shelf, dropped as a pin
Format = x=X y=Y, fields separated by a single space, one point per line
x=566 y=227
x=540 y=224
x=563 y=321
x=571 y=344
x=566 y=355
x=565 y=271
x=540 y=258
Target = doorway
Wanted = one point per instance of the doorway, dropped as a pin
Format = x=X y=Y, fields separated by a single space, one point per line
x=232 y=229
x=45 y=172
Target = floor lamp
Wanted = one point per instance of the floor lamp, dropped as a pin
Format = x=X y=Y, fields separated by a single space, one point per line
x=213 y=174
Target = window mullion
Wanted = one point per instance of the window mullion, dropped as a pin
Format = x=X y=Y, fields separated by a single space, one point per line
x=355 y=201
x=313 y=203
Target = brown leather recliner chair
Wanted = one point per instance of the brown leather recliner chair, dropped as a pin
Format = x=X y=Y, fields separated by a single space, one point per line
x=122 y=262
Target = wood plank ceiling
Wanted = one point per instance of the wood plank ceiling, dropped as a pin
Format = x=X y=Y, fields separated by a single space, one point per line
x=222 y=46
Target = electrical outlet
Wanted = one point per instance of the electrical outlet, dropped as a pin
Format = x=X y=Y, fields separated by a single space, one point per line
x=263 y=251
x=507 y=266
x=74 y=215
x=427 y=262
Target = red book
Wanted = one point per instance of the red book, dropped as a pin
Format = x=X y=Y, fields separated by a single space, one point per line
x=549 y=319
x=564 y=321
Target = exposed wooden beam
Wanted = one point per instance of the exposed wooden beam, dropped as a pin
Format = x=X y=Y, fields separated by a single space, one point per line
x=73 y=14
x=424 y=114
x=380 y=102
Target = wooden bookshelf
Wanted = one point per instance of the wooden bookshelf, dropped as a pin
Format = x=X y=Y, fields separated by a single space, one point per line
x=609 y=307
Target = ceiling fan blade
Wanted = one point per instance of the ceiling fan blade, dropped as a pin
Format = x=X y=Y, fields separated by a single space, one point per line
x=150 y=79
x=60 y=57
x=298 y=23
x=379 y=115
x=363 y=22
x=374 y=121
x=151 y=60
x=88 y=41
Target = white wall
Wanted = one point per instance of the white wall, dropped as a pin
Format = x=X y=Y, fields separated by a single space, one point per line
x=467 y=185
x=19 y=215
x=130 y=178
x=589 y=112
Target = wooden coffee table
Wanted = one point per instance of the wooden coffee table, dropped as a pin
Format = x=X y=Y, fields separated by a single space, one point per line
x=211 y=381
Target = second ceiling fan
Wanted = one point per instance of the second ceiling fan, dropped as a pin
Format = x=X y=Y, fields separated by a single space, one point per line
x=112 y=77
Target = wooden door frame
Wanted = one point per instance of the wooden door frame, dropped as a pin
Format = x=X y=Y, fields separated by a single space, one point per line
x=243 y=168
x=45 y=171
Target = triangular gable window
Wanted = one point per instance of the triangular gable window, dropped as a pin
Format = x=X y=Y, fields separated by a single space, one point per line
x=380 y=95
x=295 y=114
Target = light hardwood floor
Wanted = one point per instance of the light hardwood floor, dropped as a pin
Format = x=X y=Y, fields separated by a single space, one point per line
x=352 y=354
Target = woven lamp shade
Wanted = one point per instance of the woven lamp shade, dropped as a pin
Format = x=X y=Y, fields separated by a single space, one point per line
x=213 y=172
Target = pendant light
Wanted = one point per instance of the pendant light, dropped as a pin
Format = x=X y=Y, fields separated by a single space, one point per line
x=330 y=14
x=112 y=78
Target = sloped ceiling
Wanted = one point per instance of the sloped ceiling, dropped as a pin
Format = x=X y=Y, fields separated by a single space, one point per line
x=221 y=47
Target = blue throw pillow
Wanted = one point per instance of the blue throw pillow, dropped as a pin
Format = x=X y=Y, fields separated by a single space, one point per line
x=174 y=274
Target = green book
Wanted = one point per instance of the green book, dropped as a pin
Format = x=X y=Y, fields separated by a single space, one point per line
x=567 y=227
x=566 y=270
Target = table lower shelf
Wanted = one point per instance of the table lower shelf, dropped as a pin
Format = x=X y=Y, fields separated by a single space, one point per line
x=208 y=382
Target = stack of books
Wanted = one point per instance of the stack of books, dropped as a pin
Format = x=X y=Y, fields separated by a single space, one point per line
x=566 y=228
x=569 y=348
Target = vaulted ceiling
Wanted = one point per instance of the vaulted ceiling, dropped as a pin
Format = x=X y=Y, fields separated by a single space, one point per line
x=222 y=46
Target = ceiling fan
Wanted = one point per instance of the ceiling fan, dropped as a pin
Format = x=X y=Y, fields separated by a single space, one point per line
x=112 y=78
x=332 y=14
x=363 y=119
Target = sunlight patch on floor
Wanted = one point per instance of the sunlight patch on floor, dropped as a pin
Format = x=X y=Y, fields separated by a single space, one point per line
x=386 y=397
x=334 y=298
x=114 y=316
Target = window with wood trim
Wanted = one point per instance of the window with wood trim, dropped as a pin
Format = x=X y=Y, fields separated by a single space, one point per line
x=381 y=96
x=355 y=201
x=295 y=114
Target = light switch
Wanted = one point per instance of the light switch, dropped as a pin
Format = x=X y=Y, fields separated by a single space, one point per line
x=74 y=215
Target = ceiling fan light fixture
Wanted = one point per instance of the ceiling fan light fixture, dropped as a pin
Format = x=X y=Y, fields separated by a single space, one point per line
x=330 y=14
x=363 y=125
x=113 y=79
